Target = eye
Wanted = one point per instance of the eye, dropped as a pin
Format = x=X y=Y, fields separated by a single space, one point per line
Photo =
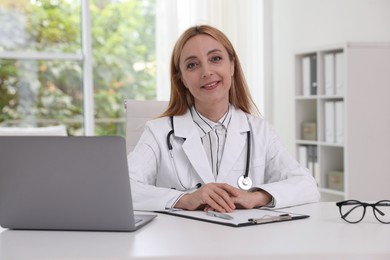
x=191 y=65
x=216 y=58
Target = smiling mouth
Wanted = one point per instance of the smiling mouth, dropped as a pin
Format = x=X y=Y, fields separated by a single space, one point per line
x=211 y=85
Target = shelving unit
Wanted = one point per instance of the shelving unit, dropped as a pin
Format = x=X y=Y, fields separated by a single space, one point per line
x=363 y=153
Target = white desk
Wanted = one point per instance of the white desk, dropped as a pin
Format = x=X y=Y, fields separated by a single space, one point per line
x=322 y=236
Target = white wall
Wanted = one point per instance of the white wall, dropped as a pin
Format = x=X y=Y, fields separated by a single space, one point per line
x=301 y=24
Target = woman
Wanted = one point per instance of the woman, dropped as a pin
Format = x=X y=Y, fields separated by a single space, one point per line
x=210 y=150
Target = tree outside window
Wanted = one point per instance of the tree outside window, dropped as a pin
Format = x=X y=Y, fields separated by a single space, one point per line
x=42 y=92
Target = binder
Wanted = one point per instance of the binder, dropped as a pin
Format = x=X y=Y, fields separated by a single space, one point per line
x=310 y=159
x=307 y=157
x=241 y=217
x=330 y=121
x=329 y=74
x=303 y=155
x=306 y=76
x=339 y=121
x=339 y=73
x=313 y=163
x=313 y=75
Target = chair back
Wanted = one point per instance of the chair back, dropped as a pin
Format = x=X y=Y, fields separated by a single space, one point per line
x=138 y=112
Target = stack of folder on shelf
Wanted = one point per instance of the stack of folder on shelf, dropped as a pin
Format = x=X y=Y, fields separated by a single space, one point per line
x=308 y=157
x=334 y=121
x=334 y=74
x=334 y=86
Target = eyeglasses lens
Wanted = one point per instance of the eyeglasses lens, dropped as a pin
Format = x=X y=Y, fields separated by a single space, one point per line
x=352 y=211
x=383 y=211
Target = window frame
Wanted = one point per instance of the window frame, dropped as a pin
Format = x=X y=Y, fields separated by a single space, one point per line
x=85 y=57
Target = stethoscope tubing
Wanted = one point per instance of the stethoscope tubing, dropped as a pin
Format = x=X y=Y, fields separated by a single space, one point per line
x=241 y=181
x=248 y=154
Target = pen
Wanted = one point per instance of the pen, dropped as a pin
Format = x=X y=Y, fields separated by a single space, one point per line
x=268 y=219
x=219 y=215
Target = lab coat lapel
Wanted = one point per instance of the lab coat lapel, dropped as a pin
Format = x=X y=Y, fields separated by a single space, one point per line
x=192 y=146
x=236 y=140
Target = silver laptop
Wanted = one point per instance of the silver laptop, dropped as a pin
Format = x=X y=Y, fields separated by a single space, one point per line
x=66 y=183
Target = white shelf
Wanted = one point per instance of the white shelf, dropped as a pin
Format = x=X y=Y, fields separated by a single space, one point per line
x=363 y=152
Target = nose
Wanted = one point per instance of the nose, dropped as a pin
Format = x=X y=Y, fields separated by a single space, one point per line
x=207 y=72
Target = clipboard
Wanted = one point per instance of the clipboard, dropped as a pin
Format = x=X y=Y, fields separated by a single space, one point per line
x=241 y=217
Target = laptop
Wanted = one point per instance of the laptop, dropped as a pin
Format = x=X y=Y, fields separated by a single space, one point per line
x=66 y=183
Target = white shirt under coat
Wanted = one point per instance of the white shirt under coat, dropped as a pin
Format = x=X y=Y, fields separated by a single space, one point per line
x=156 y=185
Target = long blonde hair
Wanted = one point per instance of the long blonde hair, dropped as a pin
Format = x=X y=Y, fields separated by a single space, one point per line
x=181 y=99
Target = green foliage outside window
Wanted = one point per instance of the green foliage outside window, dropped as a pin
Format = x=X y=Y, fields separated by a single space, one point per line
x=124 y=57
x=123 y=45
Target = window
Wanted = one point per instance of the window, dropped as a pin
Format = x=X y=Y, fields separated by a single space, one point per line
x=44 y=60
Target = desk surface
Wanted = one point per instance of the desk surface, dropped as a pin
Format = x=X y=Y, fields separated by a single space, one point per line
x=322 y=236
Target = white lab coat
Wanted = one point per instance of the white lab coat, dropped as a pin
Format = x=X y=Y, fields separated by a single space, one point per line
x=156 y=185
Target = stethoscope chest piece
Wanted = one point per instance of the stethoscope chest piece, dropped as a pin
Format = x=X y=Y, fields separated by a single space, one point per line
x=244 y=183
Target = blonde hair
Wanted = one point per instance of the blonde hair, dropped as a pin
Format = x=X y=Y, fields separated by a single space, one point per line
x=181 y=99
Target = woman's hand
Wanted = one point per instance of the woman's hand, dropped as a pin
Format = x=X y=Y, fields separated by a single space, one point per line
x=222 y=197
x=250 y=200
x=218 y=196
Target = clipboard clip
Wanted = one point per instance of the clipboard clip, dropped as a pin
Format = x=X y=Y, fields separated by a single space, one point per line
x=269 y=219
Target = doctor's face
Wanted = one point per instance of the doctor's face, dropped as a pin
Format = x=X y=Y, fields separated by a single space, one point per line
x=206 y=71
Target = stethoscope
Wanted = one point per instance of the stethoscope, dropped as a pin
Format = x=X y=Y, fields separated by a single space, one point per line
x=244 y=182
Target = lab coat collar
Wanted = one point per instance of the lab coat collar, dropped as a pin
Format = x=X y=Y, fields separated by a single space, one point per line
x=205 y=125
x=192 y=146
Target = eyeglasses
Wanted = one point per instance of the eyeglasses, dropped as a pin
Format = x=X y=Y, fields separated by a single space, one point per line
x=353 y=211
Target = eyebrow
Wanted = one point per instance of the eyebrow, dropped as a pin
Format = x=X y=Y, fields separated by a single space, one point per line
x=208 y=53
